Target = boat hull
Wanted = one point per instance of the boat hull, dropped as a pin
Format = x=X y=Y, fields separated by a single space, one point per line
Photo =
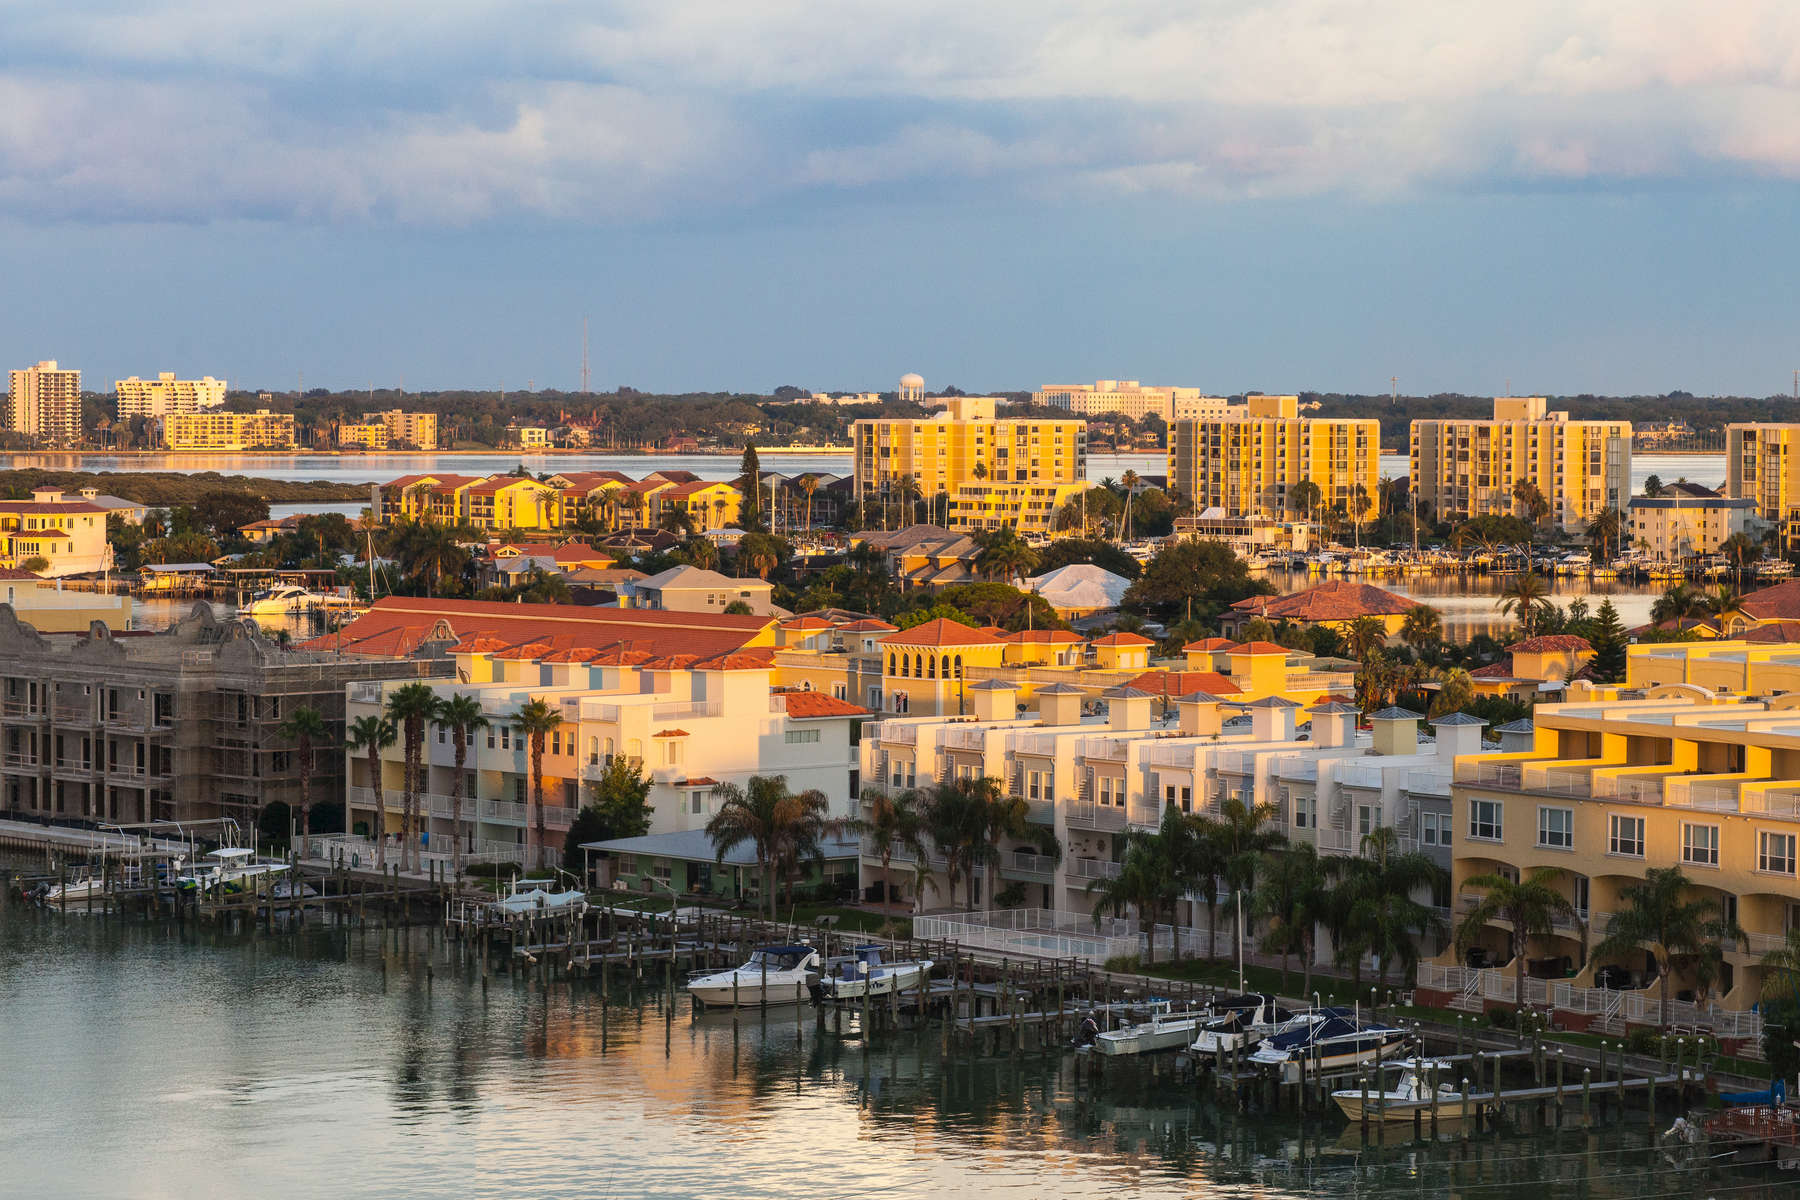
x=889 y=978
x=1334 y=1059
x=1395 y=1108
x=1147 y=1038
x=714 y=993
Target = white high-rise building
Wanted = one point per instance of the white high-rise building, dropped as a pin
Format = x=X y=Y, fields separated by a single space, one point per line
x=44 y=401
x=166 y=394
x=1129 y=398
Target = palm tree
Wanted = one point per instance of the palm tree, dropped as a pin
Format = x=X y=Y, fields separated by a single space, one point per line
x=427 y=552
x=1380 y=913
x=1130 y=480
x=1531 y=500
x=701 y=552
x=1656 y=915
x=783 y=827
x=1526 y=597
x=893 y=821
x=1741 y=548
x=1366 y=638
x=1304 y=497
x=808 y=485
x=534 y=720
x=306 y=729
x=462 y=716
x=1679 y=603
x=1148 y=882
x=1724 y=600
x=1359 y=508
x=372 y=735
x=1295 y=895
x=1604 y=530
x=1422 y=627
x=1003 y=555
x=1781 y=969
x=1531 y=906
x=410 y=708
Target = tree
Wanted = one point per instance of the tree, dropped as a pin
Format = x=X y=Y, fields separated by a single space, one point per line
x=1532 y=906
x=893 y=821
x=1603 y=531
x=409 y=708
x=762 y=553
x=749 y=482
x=462 y=716
x=37 y=564
x=1525 y=597
x=372 y=735
x=1653 y=486
x=1148 y=882
x=1204 y=576
x=1422 y=627
x=1741 y=548
x=1130 y=482
x=224 y=511
x=1455 y=692
x=1366 y=638
x=783 y=827
x=618 y=807
x=1533 y=507
x=1377 y=910
x=1608 y=637
x=808 y=485
x=306 y=729
x=1304 y=497
x=700 y=552
x=1295 y=897
x=534 y=720
x=1781 y=970
x=1102 y=554
x=1002 y=555
x=1656 y=914
x=1680 y=603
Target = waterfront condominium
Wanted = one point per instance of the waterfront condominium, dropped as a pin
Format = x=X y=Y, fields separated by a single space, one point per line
x=381 y=430
x=260 y=430
x=44 y=402
x=967 y=446
x=1252 y=461
x=1475 y=468
x=1762 y=463
x=156 y=398
x=1129 y=398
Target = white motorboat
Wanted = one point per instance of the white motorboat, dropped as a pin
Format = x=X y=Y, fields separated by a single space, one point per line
x=229 y=868
x=862 y=973
x=1331 y=1040
x=1238 y=1023
x=1164 y=1030
x=773 y=975
x=1413 y=1093
x=75 y=891
x=285 y=599
x=539 y=898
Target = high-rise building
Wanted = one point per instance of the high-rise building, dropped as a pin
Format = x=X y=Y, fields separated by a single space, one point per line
x=1762 y=463
x=420 y=429
x=1129 y=398
x=1467 y=469
x=260 y=430
x=45 y=402
x=966 y=444
x=1252 y=461
x=166 y=394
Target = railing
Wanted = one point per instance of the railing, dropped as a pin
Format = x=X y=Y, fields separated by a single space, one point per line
x=1566 y=783
x=1032 y=932
x=903 y=735
x=1086 y=814
x=1360 y=775
x=1294 y=766
x=1094 y=868
x=1144 y=816
x=75 y=714
x=1426 y=782
x=1341 y=841
x=685 y=709
x=1042 y=745
x=21 y=760
x=1706 y=797
x=965 y=737
x=1103 y=749
x=21 y=708
x=1495 y=775
x=1237 y=762
x=1181 y=755
x=1026 y=863
x=1784 y=804
x=1632 y=790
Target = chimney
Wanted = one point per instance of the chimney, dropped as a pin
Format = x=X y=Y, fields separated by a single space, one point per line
x=1127 y=709
x=1059 y=704
x=994 y=700
x=1334 y=724
x=1396 y=731
x=1457 y=733
x=1200 y=714
x=1272 y=719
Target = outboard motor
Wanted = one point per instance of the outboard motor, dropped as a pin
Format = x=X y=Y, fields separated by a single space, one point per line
x=1088 y=1032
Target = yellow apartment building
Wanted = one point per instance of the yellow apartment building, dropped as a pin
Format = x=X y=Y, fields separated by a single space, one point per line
x=225 y=431
x=966 y=444
x=1248 y=463
x=1470 y=468
x=1762 y=463
x=512 y=502
x=708 y=506
x=1610 y=788
x=156 y=398
x=429 y=497
x=373 y=436
x=419 y=429
x=1024 y=508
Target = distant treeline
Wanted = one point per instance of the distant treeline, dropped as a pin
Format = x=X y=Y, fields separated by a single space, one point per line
x=163 y=489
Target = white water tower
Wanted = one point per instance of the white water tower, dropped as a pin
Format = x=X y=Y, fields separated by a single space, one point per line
x=912 y=388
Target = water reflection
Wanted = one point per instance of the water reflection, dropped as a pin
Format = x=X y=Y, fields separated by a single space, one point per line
x=195 y=1064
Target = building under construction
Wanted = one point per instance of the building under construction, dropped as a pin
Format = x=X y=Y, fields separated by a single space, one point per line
x=180 y=725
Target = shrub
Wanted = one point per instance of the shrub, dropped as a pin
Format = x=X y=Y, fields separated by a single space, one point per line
x=1502 y=1018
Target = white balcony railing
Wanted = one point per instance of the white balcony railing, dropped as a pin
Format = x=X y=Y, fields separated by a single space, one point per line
x=1094 y=868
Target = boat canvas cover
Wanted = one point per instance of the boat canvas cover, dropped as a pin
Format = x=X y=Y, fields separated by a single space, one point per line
x=539 y=898
x=1300 y=1039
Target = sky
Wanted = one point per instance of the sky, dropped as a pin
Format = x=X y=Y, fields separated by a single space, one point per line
x=1545 y=196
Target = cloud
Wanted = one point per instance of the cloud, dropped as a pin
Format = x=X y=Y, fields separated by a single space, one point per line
x=463 y=112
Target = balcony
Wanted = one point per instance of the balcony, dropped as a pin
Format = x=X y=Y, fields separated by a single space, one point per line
x=1293 y=766
x=76 y=714
x=20 y=762
x=1034 y=868
x=1423 y=782
x=1359 y=775
x=1103 y=749
x=1094 y=868
x=1085 y=814
x=1636 y=789
x=965 y=737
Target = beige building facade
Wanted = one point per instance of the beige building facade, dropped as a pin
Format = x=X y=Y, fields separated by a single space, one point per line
x=1471 y=468
x=1250 y=462
x=1672 y=528
x=1129 y=398
x=44 y=402
x=260 y=430
x=156 y=398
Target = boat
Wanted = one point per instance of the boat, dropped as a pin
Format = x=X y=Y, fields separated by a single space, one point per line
x=536 y=898
x=75 y=891
x=1774 y=568
x=287 y=598
x=1413 y=1093
x=229 y=868
x=862 y=973
x=771 y=975
x=1238 y=1023
x=1333 y=1039
x=1164 y=1029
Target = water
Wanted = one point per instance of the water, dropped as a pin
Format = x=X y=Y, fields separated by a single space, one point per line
x=152 y=1061
x=1466 y=603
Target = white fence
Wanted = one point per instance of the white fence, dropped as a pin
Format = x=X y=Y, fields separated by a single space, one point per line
x=1612 y=1011
x=1032 y=932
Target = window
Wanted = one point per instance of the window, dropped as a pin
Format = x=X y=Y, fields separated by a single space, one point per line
x=505 y=737
x=1775 y=853
x=1556 y=828
x=672 y=752
x=490 y=737
x=1034 y=786
x=1700 y=845
x=1366 y=819
x=696 y=802
x=1484 y=819
x=1106 y=790
x=1625 y=835
x=1434 y=829
x=802 y=737
x=628 y=864
x=440 y=730
x=1304 y=809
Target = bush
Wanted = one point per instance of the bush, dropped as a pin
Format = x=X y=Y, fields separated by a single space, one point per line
x=1781 y=1024
x=1643 y=1041
x=1502 y=1018
x=1010 y=896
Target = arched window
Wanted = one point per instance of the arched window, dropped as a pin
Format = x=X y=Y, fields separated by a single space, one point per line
x=890 y=662
x=918 y=666
x=931 y=666
x=594 y=750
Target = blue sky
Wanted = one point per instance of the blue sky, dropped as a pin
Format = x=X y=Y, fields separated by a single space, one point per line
x=1301 y=194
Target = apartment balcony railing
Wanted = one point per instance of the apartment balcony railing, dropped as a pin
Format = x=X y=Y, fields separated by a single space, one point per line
x=1094 y=868
x=965 y=737
x=1420 y=782
x=1503 y=775
x=1359 y=775
x=1040 y=868
x=1103 y=749
x=1295 y=766
x=1085 y=814
x=1773 y=803
x=1632 y=789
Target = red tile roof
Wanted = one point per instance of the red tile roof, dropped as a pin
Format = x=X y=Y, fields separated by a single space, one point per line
x=1254 y=648
x=447 y=481
x=670 y=733
x=1176 y=684
x=867 y=625
x=940 y=632
x=1499 y=670
x=1043 y=637
x=806 y=706
x=1209 y=645
x=757 y=658
x=1549 y=644
x=1333 y=600
x=490 y=486
x=805 y=624
x=1123 y=639
x=1778 y=603
x=633 y=634
x=1774 y=631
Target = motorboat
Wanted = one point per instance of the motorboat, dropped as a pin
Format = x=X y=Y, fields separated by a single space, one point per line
x=1164 y=1029
x=540 y=898
x=1413 y=1093
x=771 y=975
x=1333 y=1040
x=75 y=891
x=228 y=869
x=862 y=973
x=285 y=599
x=1238 y=1023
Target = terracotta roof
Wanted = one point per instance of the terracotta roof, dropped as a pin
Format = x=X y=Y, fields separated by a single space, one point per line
x=1333 y=600
x=489 y=487
x=807 y=706
x=567 y=552
x=18 y=573
x=28 y=534
x=701 y=781
x=650 y=631
x=1123 y=639
x=805 y=624
x=1549 y=643
x=867 y=625
x=1773 y=631
x=1043 y=637
x=940 y=632
x=1180 y=683
x=671 y=662
x=694 y=487
x=1778 y=603
x=755 y=659
x=1255 y=648
x=670 y=733
x=1499 y=670
x=1209 y=645
x=998 y=634
x=447 y=481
